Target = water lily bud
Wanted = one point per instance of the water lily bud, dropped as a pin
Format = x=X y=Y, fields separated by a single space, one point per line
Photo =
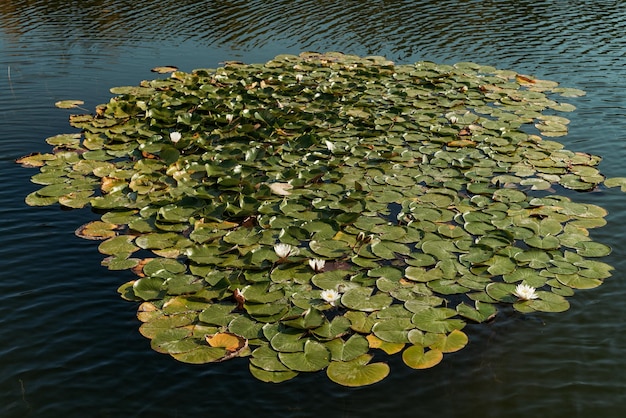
x=285 y=250
x=317 y=264
x=175 y=137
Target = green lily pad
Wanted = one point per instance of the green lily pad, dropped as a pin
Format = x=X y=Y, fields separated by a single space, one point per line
x=362 y=299
x=272 y=376
x=330 y=248
x=357 y=372
x=480 y=313
x=616 y=182
x=592 y=249
x=69 y=104
x=337 y=327
x=417 y=358
x=449 y=343
x=394 y=330
x=576 y=281
x=546 y=302
x=314 y=357
x=149 y=288
x=437 y=320
x=159 y=324
x=267 y=359
x=201 y=355
x=290 y=341
x=349 y=350
x=217 y=314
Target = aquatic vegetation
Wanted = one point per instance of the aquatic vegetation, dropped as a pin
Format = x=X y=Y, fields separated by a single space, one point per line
x=310 y=211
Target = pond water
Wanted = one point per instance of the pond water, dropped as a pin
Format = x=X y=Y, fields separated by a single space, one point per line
x=69 y=345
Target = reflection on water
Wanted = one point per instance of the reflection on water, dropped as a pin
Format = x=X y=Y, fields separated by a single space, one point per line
x=70 y=345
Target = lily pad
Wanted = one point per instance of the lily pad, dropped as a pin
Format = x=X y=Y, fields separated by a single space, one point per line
x=416 y=357
x=362 y=299
x=69 y=104
x=357 y=372
x=314 y=357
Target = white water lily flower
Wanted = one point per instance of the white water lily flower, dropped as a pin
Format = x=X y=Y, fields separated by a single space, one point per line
x=285 y=250
x=317 y=264
x=525 y=292
x=175 y=137
x=330 y=295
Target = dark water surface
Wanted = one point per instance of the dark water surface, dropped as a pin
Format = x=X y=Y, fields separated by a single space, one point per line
x=69 y=346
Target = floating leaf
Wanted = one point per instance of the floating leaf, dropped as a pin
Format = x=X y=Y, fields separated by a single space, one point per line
x=201 y=355
x=69 y=104
x=616 y=182
x=387 y=347
x=450 y=343
x=267 y=359
x=272 y=376
x=314 y=357
x=164 y=69
x=230 y=342
x=34 y=160
x=362 y=299
x=546 y=302
x=354 y=347
x=592 y=249
x=417 y=358
x=357 y=372
x=97 y=230
x=437 y=320
x=149 y=288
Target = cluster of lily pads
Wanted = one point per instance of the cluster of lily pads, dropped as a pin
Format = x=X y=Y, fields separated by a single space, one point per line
x=311 y=211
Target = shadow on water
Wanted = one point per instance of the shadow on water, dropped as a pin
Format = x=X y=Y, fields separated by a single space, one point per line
x=70 y=344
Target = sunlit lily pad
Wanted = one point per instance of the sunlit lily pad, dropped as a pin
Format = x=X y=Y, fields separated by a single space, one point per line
x=69 y=104
x=357 y=372
x=416 y=357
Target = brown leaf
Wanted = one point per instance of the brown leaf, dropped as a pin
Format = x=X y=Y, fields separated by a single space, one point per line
x=231 y=342
x=96 y=230
x=461 y=143
x=523 y=79
x=138 y=269
x=164 y=69
x=31 y=160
